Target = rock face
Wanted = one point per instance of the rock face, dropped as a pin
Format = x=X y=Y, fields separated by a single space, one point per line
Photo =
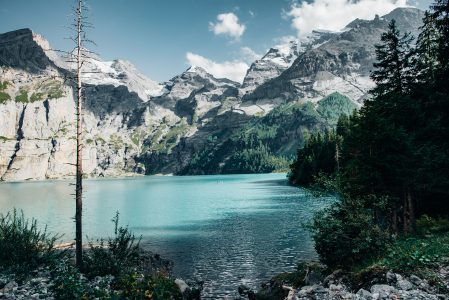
x=342 y=64
x=134 y=125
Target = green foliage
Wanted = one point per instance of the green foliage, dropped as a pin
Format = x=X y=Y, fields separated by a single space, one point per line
x=393 y=153
x=428 y=225
x=412 y=253
x=4 y=85
x=334 y=106
x=267 y=144
x=22 y=97
x=23 y=246
x=120 y=255
x=392 y=73
x=164 y=143
x=345 y=235
x=4 y=97
x=255 y=160
x=116 y=141
x=318 y=156
x=36 y=97
x=55 y=93
x=157 y=287
x=68 y=282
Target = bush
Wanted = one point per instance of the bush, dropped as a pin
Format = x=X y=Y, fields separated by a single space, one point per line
x=120 y=255
x=22 y=97
x=68 y=282
x=23 y=246
x=158 y=287
x=410 y=254
x=345 y=234
x=4 y=97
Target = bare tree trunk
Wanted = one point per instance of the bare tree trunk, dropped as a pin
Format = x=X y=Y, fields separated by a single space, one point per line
x=395 y=221
x=411 y=213
x=405 y=213
x=79 y=156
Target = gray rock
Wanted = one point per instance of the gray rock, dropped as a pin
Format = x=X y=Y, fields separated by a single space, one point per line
x=11 y=286
x=415 y=280
x=382 y=290
x=364 y=294
x=404 y=284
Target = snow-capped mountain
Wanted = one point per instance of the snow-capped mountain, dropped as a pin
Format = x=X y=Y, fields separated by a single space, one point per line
x=271 y=65
x=135 y=125
x=341 y=64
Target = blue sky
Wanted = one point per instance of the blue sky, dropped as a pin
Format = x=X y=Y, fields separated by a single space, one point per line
x=157 y=35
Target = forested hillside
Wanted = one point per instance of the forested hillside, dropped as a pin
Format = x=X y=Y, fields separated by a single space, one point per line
x=389 y=162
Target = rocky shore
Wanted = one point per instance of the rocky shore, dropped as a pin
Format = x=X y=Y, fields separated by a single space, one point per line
x=41 y=283
x=336 y=286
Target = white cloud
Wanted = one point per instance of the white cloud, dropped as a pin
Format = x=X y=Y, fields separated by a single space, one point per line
x=249 y=55
x=234 y=70
x=335 y=14
x=228 y=24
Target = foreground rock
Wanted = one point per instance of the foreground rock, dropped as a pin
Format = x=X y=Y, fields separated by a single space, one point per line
x=336 y=286
x=43 y=282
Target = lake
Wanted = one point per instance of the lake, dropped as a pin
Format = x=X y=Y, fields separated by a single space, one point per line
x=224 y=229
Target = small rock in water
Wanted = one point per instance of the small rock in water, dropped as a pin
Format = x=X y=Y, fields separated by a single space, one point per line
x=182 y=285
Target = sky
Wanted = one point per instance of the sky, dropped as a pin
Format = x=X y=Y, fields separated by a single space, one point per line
x=163 y=37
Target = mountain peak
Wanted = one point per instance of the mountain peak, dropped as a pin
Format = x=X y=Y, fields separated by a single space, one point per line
x=196 y=69
x=24 y=50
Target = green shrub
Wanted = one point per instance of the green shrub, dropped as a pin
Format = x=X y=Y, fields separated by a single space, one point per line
x=410 y=254
x=4 y=97
x=68 y=282
x=22 y=97
x=157 y=287
x=4 y=85
x=428 y=225
x=120 y=255
x=36 y=97
x=23 y=246
x=345 y=234
x=55 y=93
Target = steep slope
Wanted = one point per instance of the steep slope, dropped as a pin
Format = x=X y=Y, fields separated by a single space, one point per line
x=38 y=116
x=341 y=64
x=267 y=144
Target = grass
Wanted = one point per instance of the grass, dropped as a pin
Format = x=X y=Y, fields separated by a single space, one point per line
x=421 y=255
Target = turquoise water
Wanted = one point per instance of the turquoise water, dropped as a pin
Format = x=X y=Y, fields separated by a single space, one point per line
x=226 y=229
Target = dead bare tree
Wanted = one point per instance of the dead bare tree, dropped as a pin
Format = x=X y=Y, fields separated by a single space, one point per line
x=77 y=57
x=79 y=148
x=73 y=75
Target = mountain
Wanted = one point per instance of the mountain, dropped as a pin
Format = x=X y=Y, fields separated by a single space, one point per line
x=342 y=64
x=192 y=124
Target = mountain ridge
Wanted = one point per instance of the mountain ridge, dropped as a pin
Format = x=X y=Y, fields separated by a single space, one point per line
x=135 y=125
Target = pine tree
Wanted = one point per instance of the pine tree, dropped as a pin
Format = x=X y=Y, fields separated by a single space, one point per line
x=393 y=72
x=441 y=15
x=426 y=54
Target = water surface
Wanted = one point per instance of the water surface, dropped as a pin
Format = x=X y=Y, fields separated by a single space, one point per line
x=226 y=229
